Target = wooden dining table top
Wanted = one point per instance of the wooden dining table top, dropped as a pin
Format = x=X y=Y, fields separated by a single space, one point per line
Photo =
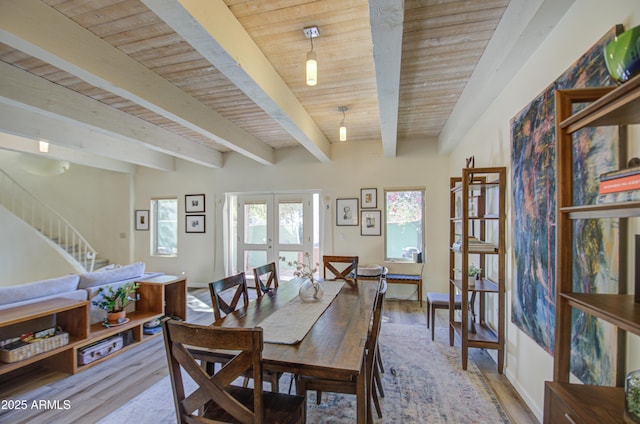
x=333 y=347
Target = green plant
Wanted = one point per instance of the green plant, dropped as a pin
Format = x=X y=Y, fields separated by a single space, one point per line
x=116 y=300
x=473 y=271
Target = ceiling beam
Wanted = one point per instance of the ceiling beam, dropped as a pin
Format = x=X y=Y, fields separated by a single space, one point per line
x=523 y=27
x=25 y=90
x=23 y=145
x=211 y=28
x=387 y=18
x=40 y=31
x=67 y=136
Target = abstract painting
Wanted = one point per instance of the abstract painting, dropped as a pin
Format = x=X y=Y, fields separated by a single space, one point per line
x=533 y=170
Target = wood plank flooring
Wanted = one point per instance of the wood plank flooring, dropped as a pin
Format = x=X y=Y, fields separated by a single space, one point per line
x=100 y=390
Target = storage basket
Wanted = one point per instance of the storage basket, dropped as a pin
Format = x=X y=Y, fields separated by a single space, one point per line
x=15 y=350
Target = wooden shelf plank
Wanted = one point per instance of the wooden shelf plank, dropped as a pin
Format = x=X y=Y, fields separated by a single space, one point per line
x=603 y=210
x=618 y=309
x=484 y=285
x=618 y=107
x=38 y=309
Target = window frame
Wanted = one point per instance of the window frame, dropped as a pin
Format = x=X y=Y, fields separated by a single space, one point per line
x=422 y=244
x=154 y=227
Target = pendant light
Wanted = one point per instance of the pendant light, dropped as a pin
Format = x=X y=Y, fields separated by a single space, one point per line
x=343 y=128
x=312 y=62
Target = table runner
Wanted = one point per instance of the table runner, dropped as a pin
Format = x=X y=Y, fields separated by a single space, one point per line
x=292 y=322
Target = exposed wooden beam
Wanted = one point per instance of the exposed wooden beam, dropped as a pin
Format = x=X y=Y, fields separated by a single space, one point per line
x=27 y=91
x=387 y=18
x=68 y=136
x=23 y=145
x=211 y=28
x=40 y=31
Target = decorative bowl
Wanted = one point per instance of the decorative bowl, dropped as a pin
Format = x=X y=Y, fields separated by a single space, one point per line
x=622 y=55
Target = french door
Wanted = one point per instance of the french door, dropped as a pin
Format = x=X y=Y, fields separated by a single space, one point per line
x=272 y=226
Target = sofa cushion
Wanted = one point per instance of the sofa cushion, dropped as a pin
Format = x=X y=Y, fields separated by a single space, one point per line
x=38 y=289
x=98 y=278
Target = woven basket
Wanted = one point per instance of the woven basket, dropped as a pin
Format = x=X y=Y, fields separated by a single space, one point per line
x=9 y=353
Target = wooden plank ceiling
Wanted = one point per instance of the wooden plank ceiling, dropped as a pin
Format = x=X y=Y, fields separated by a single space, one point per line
x=442 y=41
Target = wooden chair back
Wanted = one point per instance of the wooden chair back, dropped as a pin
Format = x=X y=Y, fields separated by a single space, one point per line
x=336 y=266
x=215 y=398
x=220 y=305
x=266 y=277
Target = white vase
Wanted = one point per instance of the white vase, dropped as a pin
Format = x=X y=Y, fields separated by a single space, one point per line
x=311 y=291
x=472 y=281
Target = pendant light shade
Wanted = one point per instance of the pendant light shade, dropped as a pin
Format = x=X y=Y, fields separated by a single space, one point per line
x=312 y=68
x=343 y=127
x=312 y=61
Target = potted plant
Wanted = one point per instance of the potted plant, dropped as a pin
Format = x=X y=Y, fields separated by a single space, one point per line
x=473 y=273
x=114 y=301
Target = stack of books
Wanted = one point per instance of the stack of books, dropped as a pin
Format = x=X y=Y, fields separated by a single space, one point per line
x=475 y=245
x=619 y=186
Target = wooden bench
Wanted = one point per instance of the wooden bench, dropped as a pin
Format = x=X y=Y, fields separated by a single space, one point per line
x=407 y=279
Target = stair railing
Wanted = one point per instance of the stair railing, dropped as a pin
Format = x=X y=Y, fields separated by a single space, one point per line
x=49 y=223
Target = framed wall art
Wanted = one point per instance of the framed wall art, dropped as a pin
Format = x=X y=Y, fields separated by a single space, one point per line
x=194 y=203
x=142 y=220
x=368 y=198
x=195 y=223
x=347 y=211
x=370 y=223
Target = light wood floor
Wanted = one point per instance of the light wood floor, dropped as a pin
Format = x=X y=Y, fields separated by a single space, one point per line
x=100 y=390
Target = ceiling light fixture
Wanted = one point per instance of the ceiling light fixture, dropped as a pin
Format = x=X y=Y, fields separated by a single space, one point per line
x=312 y=62
x=43 y=146
x=343 y=128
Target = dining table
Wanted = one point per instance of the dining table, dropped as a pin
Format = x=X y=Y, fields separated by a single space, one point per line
x=333 y=345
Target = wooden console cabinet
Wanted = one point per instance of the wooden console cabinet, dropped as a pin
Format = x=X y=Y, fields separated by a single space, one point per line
x=164 y=295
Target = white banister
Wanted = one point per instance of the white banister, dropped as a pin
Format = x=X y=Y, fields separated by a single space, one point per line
x=17 y=200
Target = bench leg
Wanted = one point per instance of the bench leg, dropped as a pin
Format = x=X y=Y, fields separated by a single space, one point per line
x=433 y=322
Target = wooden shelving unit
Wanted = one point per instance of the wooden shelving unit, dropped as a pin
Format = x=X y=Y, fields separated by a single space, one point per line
x=609 y=106
x=164 y=295
x=477 y=208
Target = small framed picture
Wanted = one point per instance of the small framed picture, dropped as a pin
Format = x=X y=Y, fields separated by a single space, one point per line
x=347 y=211
x=142 y=220
x=194 y=203
x=370 y=223
x=368 y=198
x=195 y=223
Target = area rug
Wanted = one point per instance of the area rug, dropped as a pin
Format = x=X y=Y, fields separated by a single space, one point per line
x=423 y=383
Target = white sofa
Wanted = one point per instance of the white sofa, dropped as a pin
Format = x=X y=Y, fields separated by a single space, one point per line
x=75 y=286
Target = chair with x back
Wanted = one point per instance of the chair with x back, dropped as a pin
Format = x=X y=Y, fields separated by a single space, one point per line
x=215 y=398
x=305 y=383
x=237 y=282
x=336 y=267
x=237 y=285
x=266 y=278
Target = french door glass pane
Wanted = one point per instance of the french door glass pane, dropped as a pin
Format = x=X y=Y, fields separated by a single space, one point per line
x=255 y=223
x=252 y=259
x=290 y=224
x=285 y=270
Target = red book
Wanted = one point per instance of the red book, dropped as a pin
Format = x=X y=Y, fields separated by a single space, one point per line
x=615 y=185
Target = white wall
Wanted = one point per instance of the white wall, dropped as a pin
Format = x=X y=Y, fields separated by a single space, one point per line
x=96 y=202
x=353 y=166
x=527 y=365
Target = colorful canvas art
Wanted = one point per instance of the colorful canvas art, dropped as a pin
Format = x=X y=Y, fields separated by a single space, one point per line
x=534 y=216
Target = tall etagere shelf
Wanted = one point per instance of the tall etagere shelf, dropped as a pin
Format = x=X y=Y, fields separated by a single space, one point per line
x=609 y=106
x=476 y=235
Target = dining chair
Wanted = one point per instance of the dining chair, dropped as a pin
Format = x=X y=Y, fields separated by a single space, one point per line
x=266 y=276
x=237 y=282
x=307 y=383
x=215 y=398
x=335 y=266
x=237 y=285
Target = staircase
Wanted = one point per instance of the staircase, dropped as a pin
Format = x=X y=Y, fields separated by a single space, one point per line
x=45 y=220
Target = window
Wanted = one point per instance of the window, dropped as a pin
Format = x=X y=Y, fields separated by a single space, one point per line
x=404 y=212
x=164 y=218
